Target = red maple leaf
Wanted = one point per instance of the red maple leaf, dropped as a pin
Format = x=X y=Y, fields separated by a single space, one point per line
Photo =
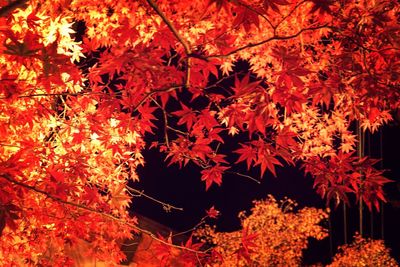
x=247 y=153
x=245 y=17
x=323 y=6
x=247 y=246
x=212 y=213
x=186 y=116
x=219 y=4
x=244 y=86
x=267 y=162
x=273 y=4
x=213 y=175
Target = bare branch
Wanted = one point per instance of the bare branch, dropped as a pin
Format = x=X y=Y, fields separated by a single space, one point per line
x=140 y=193
x=244 y=175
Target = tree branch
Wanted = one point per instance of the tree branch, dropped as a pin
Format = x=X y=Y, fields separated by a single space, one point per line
x=140 y=193
x=276 y=37
x=170 y=26
x=244 y=175
x=106 y=215
x=148 y=95
x=186 y=46
x=6 y=10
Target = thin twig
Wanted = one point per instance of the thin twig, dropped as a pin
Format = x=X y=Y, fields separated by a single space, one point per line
x=201 y=222
x=148 y=95
x=140 y=193
x=244 y=175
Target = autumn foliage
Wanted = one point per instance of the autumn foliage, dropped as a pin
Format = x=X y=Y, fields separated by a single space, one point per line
x=86 y=86
x=272 y=235
x=364 y=252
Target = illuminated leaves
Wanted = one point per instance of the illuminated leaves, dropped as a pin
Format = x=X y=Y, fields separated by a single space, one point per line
x=213 y=175
x=322 y=6
x=247 y=153
x=293 y=82
x=245 y=17
x=259 y=153
x=247 y=245
x=186 y=116
x=212 y=212
x=119 y=197
x=272 y=235
x=274 y=4
x=364 y=252
x=8 y=215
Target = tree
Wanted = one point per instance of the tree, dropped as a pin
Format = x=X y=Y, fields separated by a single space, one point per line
x=272 y=235
x=83 y=83
x=364 y=252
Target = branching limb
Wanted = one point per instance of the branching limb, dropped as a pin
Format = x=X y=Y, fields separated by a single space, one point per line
x=150 y=94
x=103 y=214
x=186 y=46
x=170 y=26
x=276 y=37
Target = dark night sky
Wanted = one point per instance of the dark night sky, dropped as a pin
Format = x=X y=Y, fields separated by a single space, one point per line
x=183 y=188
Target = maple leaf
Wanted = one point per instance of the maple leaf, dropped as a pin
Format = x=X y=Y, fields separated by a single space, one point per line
x=213 y=175
x=372 y=187
x=247 y=153
x=245 y=17
x=273 y=4
x=212 y=213
x=146 y=117
x=206 y=119
x=201 y=148
x=8 y=85
x=244 y=86
x=323 y=6
x=286 y=138
x=265 y=157
x=119 y=197
x=163 y=250
x=186 y=116
x=28 y=48
x=9 y=213
x=290 y=77
x=287 y=57
x=219 y=4
x=267 y=162
x=247 y=244
x=201 y=69
x=190 y=258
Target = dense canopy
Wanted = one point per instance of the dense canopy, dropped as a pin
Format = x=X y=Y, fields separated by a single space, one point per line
x=85 y=84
